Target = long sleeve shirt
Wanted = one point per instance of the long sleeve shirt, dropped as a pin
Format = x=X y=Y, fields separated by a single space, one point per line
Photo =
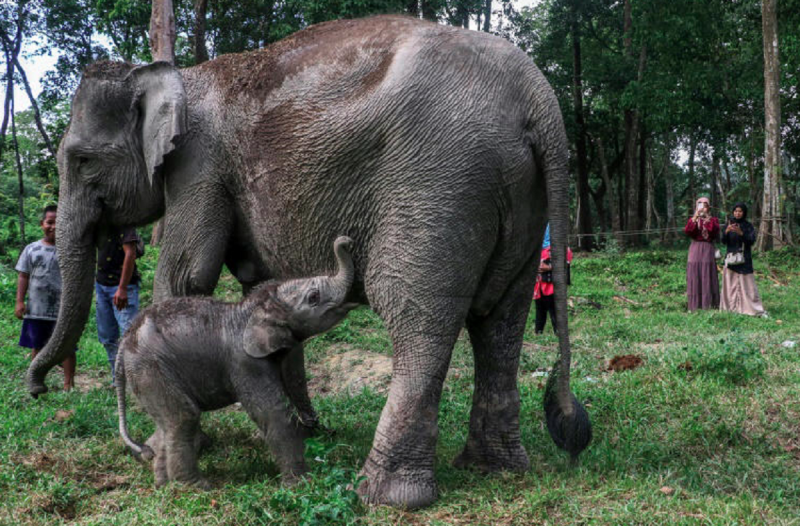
x=703 y=229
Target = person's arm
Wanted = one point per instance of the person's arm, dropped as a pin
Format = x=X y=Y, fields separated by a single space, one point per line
x=749 y=235
x=22 y=290
x=691 y=226
x=121 y=296
x=713 y=228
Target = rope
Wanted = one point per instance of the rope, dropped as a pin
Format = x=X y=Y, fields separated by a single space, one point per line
x=617 y=233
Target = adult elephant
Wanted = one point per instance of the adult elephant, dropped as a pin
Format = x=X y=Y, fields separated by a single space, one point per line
x=436 y=149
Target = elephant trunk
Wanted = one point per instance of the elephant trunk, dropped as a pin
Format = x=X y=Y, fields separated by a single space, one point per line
x=340 y=283
x=76 y=221
x=567 y=419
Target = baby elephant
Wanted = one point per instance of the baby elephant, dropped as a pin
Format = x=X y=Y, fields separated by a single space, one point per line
x=188 y=355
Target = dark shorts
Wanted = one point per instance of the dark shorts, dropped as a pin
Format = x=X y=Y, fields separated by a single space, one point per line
x=35 y=333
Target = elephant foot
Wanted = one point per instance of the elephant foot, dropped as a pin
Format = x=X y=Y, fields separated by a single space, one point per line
x=398 y=489
x=489 y=459
x=36 y=387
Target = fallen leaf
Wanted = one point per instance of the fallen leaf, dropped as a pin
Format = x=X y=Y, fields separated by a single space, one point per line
x=666 y=490
x=214 y=503
x=624 y=363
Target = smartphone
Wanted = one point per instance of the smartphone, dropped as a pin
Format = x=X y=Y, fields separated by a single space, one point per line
x=700 y=206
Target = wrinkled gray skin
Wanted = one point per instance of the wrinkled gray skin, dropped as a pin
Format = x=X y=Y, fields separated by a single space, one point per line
x=435 y=148
x=184 y=356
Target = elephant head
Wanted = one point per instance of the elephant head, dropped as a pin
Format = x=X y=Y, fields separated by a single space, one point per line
x=300 y=308
x=125 y=121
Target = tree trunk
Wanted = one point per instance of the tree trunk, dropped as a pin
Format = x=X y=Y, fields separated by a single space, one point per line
x=162 y=47
x=692 y=190
x=771 y=232
x=616 y=223
x=669 y=235
x=716 y=175
x=428 y=9
x=642 y=209
x=11 y=55
x=19 y=176
x=584 y=213
x=487 y=16
x=200 y=51
x=36 y=115
x=751 y=178
x=162 y=31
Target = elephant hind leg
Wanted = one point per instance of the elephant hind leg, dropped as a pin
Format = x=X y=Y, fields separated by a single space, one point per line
x=157 y=444
x=181 y=444
x=493 y=442
x=399 y=469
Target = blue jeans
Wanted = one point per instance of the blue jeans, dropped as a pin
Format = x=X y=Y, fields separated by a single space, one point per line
x=112 y=322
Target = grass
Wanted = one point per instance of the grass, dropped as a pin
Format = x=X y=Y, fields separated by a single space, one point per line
x=707 y=430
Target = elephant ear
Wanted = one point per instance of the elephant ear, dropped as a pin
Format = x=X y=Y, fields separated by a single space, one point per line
x=264 y=336
x=161 y=100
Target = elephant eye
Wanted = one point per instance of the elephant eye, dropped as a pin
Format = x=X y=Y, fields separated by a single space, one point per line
x=83 y=165
x=313 y=298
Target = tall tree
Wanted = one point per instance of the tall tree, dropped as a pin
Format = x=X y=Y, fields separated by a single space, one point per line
x=771 y=230
x=585 y=240
x=162 y=31
x=200 y=50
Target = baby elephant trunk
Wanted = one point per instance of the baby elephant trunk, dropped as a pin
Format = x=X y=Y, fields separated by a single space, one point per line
x=340 y=283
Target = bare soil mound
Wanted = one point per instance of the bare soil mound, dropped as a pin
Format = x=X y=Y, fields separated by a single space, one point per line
x=350 y=372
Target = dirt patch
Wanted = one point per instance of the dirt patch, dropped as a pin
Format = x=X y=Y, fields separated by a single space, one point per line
x=63 y=510
x=108 y=482
x=626 y=362
x=37 y=461
x=85 y=382
x=350 y=371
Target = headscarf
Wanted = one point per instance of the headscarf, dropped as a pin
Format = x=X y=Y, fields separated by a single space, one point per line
x=546 y=242
x=701 y=220
x=744 y=213
x=702 y=200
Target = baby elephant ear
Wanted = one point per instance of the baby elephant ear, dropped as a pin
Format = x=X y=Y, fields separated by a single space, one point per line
x=263 y=336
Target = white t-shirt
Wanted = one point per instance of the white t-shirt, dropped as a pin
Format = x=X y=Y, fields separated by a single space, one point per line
x=40 y=262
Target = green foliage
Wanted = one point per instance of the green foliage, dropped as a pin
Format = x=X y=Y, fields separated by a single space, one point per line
x=325 y=496
x=732 y=359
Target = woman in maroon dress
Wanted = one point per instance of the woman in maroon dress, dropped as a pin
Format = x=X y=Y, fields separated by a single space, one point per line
x=702 y=282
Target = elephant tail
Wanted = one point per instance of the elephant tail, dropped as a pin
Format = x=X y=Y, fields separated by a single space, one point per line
x=140 y=451
x=567 y=420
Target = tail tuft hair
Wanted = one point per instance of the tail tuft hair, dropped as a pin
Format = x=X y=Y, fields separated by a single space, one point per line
x=572 y=432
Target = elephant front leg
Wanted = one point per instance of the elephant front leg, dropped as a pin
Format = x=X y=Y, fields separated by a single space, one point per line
x=282 y=433
x=197 y=230
x=293 y=377
x=493 y=443
x=399 y=468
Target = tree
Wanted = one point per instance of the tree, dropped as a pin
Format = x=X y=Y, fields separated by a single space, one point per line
x=162 y=31
x=771 y=232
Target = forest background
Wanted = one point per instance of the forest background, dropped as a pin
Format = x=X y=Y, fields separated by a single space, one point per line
x=663 y=101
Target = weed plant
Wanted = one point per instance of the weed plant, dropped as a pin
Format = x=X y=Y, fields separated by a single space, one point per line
x=704 y=431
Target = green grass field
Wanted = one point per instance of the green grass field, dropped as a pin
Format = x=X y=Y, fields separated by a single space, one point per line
x=706 y=430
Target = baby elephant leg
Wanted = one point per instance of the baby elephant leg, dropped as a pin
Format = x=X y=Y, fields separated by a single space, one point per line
x=282 y=432
x=157 y=444
x=181 y=449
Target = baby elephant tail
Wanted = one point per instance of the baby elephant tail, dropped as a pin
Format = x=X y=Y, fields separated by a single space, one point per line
x=140 y=451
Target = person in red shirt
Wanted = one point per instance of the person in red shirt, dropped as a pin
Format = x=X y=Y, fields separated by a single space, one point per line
x=543 y=290
x=702 y=282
